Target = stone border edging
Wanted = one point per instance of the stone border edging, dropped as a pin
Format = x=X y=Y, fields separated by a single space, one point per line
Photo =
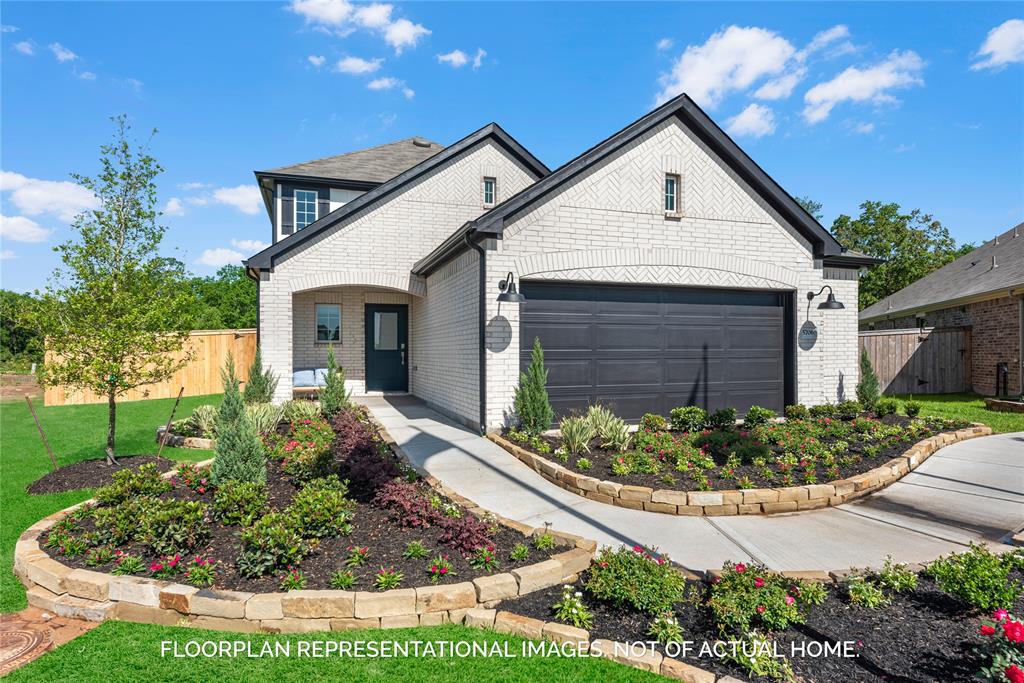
x=762 y=501
x=178 y=441
x=1000 y=406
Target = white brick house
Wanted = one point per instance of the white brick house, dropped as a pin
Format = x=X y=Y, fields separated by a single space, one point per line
x=662 y=267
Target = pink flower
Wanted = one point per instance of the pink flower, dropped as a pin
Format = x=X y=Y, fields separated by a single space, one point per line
x=1000 y=615
x=790 y=600
x=760 y=609
x=759 y=582
x=740 y=567
x=638 y=549
x=1014 y=674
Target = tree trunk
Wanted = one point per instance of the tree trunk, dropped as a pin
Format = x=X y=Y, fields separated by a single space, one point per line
x=111 y=426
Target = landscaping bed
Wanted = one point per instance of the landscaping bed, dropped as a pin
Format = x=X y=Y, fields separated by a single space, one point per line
x=87 y=474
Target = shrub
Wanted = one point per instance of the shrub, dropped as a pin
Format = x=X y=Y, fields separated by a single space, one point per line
x=688 y=419
x=407 y=503
x=978 y=576
x=577 y=433
x=204 y=420
x=172 y=526
x=484 y=559
x=131 y=483
x=544 y=540
x=600 y=418
x=274 y=541
x=97 y=557
x=823 y=410
x=118 y=525
x=748 y=597
x=583 y=464
x=531 y=403
x=306 y=452
x=465 y=534
x=168 y=566
x=262 y=382
x=296 y=411
x=912 y=408
x=653 y=423
x=201 y=572
x=571 y=610
x=665 y=629
x=127 y=564
x=756 y=654
x=723 y=418
x=616 y=436
x=849 y=410
x=192 y=477
x=896 y=576
x=322 y=509
x=264 y=417
x=387 y=578
x=239 y=502
x=757 y=416
x=634 y=577
x=886 y=406
x=342 y=580
x=334 y=397
x=868 y=391
x=864 y=592
x=240 y=455
x=797 y=411
x=1003 y=648
x=364 y=460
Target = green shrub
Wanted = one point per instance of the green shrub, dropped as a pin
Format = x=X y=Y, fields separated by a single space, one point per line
x=342 y=579
x=616 y=436
x=414 y=550
x=886 y=406
x=519 y=552
x=132 y=483
x=600 y=418
x=120 y=524
x=688 y=419
x=262 y=382
x=296 y=411
x=240 y=502
x=531 y=404
x=634 y=577
x=653 y=423
x=174 y=526
x=849 y=410
x=264 y=417
x=571 y=610
x=797 y=411
x=978 y=576
x=864 y=592
x=387 y=578
x=748 y=597
x=204 y=420
x=756 y=654
x=896 y=576
x=723 y=418
x=577 y=433
x=334 y=397
x=824 y=410
x=912 y=408
x=665 y=629
x=322 y=509
x=757 y=416
x=306 y=452
x=583 y=464
x=274 y=541
x=868 y=391
x=240 y=455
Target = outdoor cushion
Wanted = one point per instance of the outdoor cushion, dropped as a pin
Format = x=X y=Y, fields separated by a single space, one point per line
x=320 y=377
x=303 y=378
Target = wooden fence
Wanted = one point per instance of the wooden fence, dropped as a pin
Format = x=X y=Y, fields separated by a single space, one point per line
x=200 y=375
x=928 y=361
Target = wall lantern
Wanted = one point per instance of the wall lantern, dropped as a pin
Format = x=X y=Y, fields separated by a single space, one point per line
x=830 y=303
x=509 y=294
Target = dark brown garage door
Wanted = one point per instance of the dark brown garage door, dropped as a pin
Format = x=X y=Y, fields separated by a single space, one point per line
x=651 y=349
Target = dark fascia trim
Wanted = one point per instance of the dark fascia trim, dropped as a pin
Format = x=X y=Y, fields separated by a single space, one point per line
x=693 y=117
x=851 y=261
x=454 y=245
x=294 y=179
x=266 y=258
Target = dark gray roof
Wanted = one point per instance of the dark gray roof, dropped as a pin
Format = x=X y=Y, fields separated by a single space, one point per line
x=374 y=164
x=970 y=276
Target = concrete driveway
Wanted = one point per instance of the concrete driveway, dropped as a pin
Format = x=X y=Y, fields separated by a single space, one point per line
x=972 y=491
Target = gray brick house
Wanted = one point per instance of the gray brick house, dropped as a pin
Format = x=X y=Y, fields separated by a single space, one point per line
x=661 y=267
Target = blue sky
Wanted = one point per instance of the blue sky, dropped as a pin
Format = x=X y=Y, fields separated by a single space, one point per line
x=919 y=103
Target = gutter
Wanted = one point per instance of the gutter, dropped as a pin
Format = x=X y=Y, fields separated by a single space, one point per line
x=949 y=303
x=482 y=323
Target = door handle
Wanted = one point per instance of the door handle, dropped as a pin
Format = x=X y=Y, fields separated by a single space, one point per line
x=403 y=357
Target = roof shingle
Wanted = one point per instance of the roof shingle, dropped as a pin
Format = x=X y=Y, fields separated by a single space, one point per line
x=375 y=164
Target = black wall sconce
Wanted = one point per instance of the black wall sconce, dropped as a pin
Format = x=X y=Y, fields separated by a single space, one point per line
x=509 y=295
x=830 y=303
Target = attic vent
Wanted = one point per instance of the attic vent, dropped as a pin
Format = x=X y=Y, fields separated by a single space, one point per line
x=420 y=142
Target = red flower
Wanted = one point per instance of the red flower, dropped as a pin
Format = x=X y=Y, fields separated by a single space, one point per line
x=638 y=549
x=790 y=600
x=740 y=567
x=759 y=582
x=987 y=630
x=1014 y=632
x=1000 y=615
x=1014 y=674
x=760 y=609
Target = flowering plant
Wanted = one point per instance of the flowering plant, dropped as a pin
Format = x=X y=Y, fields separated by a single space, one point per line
x=571 y=609
x=166 y=567
x=293 y=580
x=387 y=578
x=127 y=564
x=484 y=558
x=192 y=477
x=665 y=629
x=201 y=571
x=439 y=568
x=357 y=556
x=99 y=556
x=1003 y=648
x=637 y=577
x=746 y=597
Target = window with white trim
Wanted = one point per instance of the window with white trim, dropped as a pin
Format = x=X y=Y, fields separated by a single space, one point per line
x=328 y=323
x=490 y=191
x=672 y=185
x=305 y=208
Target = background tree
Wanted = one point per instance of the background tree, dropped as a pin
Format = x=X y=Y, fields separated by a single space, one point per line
x=115 y=310
x=20 y=345
x=226 y=300
x=912 y=244
x=812 y=207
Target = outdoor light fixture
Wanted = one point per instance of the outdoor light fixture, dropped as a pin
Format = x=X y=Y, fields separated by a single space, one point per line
x=830 y=303
x=508 y=291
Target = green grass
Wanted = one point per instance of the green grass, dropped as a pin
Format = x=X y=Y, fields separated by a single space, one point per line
x=118 y=652
x=969 y=407
x=75 y=433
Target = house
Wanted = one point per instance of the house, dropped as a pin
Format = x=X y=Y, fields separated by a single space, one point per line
x=661 y=267
x=982 y=291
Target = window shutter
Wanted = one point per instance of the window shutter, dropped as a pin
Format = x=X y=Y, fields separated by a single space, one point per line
x=323 y=208
x=287 y=215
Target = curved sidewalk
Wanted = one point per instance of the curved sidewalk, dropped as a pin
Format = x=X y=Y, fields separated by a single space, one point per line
x=969 y=491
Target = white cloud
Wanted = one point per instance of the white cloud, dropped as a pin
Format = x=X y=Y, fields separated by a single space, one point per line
x=7 y=255
x=377 y=15
x=408 y=93
x=864 y=128
x=383 y=83
x=7 y=28
x=756 y=121
x=317 y=60
x=732 y=59
x=325 y=12
x=251 y=246
x=358 y=65
x=455 y=59
x=21 y=229
x=781 y=87
x=87 y=76
x=342 y=17
x=873 y=84
x=665 y=43
x=25 y=47
x=478 y=58
x=1003 y=45
x=192 y=186
x=174 y=207
x=245 y=198
x=403 y=33
x=825 y=38
x=60 y=198
x=221 y=256
x=62 y=53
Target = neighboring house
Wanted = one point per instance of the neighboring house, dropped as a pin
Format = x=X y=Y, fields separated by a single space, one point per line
x=983 y=291
x=661 y=267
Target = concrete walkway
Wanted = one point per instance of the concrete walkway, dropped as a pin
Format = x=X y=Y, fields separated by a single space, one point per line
x=969 y=491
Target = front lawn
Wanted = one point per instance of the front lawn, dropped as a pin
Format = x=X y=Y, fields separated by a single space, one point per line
x=970 y=407
x=75 y=433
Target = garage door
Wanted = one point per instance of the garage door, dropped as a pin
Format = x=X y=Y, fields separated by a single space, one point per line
x=651 y=349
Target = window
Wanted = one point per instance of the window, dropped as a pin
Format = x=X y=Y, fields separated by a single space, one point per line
x=671 y=194
x=305 y=208
x=385 y=331
x=490 y=190
x=328 y=323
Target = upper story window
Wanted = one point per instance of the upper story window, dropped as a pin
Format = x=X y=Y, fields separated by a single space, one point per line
x=490 y=191
x=671 y=193
x=328 y=322
x=305 y=208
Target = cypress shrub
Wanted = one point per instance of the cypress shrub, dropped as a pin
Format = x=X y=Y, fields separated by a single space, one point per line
x=334 y=398
x=262 y=382
x=240 y=454
x=531 y=400
x=867 y=388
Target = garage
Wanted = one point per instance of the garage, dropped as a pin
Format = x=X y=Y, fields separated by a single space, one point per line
x=640 y=349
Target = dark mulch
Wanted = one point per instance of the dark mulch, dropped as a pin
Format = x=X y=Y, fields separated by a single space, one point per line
x=669 y=478
x=87 y=474
x=921 y=637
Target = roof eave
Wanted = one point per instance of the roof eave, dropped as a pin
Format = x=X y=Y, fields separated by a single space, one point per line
x=1017 y=290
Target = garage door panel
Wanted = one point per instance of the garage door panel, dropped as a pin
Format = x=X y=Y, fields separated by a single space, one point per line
x=626 y=337
x=690 y=370
x=756 y=337
x=629 y=406
x=753 y=370
x=624 y=373
x=694 y=337
x=569 y=373
x=560 y=336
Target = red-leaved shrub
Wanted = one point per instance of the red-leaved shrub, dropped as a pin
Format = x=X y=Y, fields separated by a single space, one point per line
x=409 y=505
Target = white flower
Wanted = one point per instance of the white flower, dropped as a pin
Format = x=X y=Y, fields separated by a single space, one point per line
x=578 y=594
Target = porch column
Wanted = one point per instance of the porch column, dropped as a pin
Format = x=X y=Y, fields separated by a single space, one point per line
x=276 y=332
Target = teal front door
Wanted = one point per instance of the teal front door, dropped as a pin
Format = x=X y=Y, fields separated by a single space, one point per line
x=387 y=347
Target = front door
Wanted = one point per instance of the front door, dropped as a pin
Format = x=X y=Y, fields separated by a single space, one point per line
x=387 y=347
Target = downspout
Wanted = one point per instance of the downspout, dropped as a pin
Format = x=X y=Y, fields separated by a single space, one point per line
x=253 y=274
x=482 y=322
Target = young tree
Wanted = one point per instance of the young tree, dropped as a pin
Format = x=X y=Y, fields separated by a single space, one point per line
x=334 y=397
x=531 y=400
x=262 y=383
x=240 y=454
x=810 y=206
x=115 y=311
x=867 y=388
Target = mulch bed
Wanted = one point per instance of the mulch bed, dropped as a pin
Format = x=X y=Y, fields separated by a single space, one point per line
x=87 y=474
x=922 y=636
x=601 y=463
